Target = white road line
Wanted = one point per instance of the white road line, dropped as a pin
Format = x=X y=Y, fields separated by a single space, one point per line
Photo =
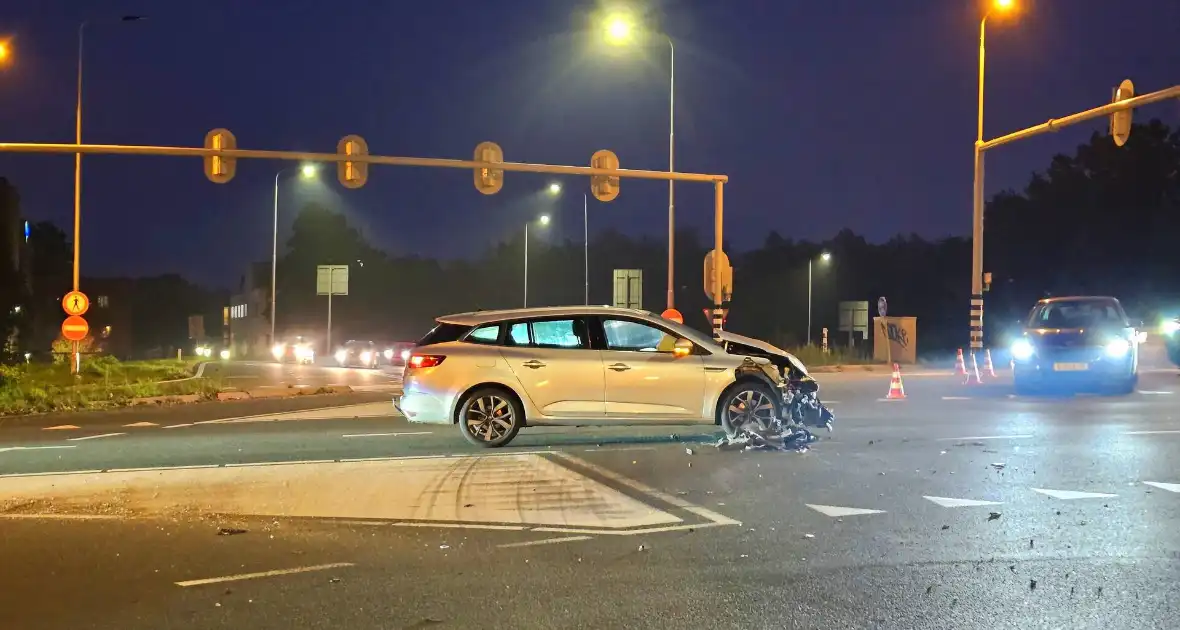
x=299 y=461
x=1069 y=495
x=362 y=435
x=150 y=468
x=50 y=474
x=987 y=437
x=836 y=510
x=617 y=450
x=1149 y=432
x=546 y=541
x=956 y=398
x=65 y=517
x=177 y=426
x=262 y=574
x=627 y=532
x=1170 y=487
x=506 y=528
x=33 y=448
x=95 y=437
x=1151 y=393
x=61 y=427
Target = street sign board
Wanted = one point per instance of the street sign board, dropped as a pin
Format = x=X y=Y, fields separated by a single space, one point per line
x=882 y=306
x=75 y=303
x=723 y=293
x=352 y=174
x=219 y=169
x=604 y=187
x=331 y=280
x=628 y=288
x=74 y=328
x=1120 y=122
x=489 y=181
x=854 y=318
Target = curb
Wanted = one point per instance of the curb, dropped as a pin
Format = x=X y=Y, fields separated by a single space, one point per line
x=234 y=394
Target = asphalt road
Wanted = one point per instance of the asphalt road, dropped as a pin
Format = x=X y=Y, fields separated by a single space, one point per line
x=247 y=374
x=958 y=507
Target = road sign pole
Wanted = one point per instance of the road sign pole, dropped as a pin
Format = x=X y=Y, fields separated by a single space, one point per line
x=718 y=213
x=331 y=278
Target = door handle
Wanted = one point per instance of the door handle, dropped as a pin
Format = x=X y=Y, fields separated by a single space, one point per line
x=534 y=364
x=619 y=367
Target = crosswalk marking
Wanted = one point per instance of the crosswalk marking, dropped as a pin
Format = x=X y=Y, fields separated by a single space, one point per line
x=1170 y=487
x=949 y=502
x=835 y=510
x=1069 y=495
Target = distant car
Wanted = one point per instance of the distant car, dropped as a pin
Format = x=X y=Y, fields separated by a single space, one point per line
x=398 y=353
x=1076 y=341
x=353 y=353
x=213 y=351
x=1171 y=333
x=495 y=372
x=296 y=350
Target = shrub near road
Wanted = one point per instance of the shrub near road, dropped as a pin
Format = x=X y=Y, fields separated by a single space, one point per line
x=103 y=382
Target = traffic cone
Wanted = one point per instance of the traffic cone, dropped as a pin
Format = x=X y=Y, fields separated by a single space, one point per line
x=960 y=366
x=974 y=372
x=988 y=368
x=896 y=391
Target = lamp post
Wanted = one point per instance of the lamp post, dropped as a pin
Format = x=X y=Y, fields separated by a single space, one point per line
x=307 y=171
x=824 y=257
x=543 y=220
x=977 y=199
x=620 y=30
x=555 y=189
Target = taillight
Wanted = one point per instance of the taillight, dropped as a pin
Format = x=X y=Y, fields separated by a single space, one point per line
x=426 y=360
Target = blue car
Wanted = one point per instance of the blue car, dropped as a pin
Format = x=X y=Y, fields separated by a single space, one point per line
x=1073 y=342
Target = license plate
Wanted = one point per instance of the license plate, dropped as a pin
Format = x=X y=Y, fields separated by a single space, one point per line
x=1070 y=367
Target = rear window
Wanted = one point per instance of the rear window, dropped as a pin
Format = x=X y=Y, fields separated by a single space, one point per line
x=444 y=333
x=1077 y=314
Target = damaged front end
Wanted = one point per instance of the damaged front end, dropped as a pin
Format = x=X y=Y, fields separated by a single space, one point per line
x=799 y=412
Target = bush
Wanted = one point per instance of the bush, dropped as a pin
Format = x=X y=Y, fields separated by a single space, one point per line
x=104 y=366
x=62 y=348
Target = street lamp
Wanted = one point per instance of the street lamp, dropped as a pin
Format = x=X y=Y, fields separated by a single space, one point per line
x=555 y=189
x=619 y=29
x=543 y=220
x=1002 y=6
x=307 y=171
x=825 y=257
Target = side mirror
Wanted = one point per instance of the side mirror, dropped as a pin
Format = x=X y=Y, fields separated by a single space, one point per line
x=683 y=348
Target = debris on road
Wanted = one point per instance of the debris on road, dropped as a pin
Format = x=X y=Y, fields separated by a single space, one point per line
x=1032 y=585
x=994 y=516
x=809 y=535
x=946 y=527
x=230 y=531
x=998 y=465
x=688 y=451
x=793 y=439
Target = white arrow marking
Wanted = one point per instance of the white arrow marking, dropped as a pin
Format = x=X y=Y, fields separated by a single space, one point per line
x=1073 y=494
x=949 y=502
x=141 y=424
x=834 y=510
x=1170 y=487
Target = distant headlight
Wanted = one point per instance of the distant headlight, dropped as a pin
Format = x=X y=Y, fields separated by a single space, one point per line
x=341 y=355
x=304 y=352
x=225 y=354
x=388 y=354
x=278 y=350
x=405 y=355
x=366 y=356
x=1022 y=350
x=1117 y=348
x=1171 y=327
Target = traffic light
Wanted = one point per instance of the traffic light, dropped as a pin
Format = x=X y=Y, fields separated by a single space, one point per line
x=604 y=187
x=219 y=169
x=1120 y=121
x=489 y=181
x=352 y=174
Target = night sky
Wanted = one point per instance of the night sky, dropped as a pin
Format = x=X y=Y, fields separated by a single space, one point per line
x=828 y=114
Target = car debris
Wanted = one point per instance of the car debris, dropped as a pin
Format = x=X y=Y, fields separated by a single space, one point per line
x=230 y=531
x=994 y=516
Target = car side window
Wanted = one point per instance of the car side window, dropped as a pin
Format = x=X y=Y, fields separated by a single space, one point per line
x=489 y=334
x=558 y=333
x=518 y=334
x=632 y=336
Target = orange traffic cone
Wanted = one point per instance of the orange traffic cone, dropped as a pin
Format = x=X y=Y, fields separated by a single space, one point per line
x=974 y=372
x=896 y=391
x=988 y=368
x=960 y=366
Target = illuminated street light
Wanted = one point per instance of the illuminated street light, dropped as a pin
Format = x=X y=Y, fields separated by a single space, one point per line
x=1003 y=5
x=555 y=188
x=824 y=257
x=307 y=171
x=619 y=29
x=543 y=220
x=4 y=51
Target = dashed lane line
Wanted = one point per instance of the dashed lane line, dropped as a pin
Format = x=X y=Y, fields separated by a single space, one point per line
x=544 y=541
x=264 y=574
x=95 y=437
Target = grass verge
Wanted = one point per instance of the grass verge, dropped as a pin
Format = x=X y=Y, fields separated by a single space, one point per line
x=102 y=382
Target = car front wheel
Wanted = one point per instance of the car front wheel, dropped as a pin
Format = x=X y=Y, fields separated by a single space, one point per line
x=747 y=404
x=490 y=417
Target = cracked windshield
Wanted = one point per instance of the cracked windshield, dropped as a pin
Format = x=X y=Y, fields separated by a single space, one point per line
x=629 y=314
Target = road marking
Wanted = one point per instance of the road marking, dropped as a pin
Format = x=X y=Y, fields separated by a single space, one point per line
x=62 y=427
x=95 y=437
x=617 y=450
x=33 y=448
x=177 y=426
x=546 y=541
x=835 y=510
x=1069 y=495
x=1151 y=393
x=52 y=473
x=627 y=532
x=890 y=399
x=949 y=502
x=987 y=437
x=1149 y=432
x=1170 y=487
x=956 y=398
x=362 y=435
x=154 y=468
x=263 y=574
x=141 y=424
x=504 y=528
x=363 y=410
x=294 y=461
x=66 y=517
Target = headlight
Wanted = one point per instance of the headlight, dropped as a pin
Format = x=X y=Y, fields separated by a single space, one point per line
x=278 y=350
x=225 y=354
x=341 y=355
x=405 y=355
x=1118 y=348
x=304 y=352
x=366 y=356
x=1022 y=350
x=1171 y=327
x=388 y=354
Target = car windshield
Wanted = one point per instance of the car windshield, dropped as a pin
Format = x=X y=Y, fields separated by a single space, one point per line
x=692 y=334
x=1077 y=314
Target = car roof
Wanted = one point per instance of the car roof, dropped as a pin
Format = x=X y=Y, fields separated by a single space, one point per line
x=1076 y=298
x=476 y=318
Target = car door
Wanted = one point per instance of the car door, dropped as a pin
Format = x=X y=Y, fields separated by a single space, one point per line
x=559 y=372
x=644 y=378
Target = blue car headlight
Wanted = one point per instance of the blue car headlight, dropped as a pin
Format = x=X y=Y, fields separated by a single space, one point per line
x=1022 y=350
x=1118 y=348
x=1171 y=327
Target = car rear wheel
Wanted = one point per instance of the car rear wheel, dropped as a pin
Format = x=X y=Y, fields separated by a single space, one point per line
x=747 y=404
x=490 y=417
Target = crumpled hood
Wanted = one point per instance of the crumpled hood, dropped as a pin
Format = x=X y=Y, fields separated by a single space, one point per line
x=725 y=335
